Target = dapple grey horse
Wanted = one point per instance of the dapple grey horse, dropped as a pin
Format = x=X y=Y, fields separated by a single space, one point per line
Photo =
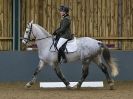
x=89 y=50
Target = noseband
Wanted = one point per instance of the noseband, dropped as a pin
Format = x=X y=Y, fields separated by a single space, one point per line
x=31 y=32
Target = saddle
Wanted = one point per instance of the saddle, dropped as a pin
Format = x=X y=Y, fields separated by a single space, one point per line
x=70 y=46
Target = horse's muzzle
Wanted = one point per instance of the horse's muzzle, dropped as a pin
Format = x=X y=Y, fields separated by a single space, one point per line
x=25 y=41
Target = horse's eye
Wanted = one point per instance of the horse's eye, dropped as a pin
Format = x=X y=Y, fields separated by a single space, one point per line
x=27 y=31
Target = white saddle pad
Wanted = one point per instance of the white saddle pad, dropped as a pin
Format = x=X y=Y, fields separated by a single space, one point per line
x=71 y=46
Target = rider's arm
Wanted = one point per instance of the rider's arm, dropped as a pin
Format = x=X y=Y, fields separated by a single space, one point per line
x=64 y=25
x=54 y=33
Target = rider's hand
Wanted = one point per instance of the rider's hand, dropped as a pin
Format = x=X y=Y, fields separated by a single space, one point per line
x=54 y=33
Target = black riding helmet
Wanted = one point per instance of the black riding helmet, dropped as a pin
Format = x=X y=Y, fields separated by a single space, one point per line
x=64 y=9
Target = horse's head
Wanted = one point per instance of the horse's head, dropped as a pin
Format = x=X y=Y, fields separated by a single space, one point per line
x=28 y=35
x=34 y=31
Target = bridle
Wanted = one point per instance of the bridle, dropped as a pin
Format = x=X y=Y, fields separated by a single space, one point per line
x=29 y=34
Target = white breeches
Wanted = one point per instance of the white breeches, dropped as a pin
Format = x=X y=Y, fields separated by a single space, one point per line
x=61 y=42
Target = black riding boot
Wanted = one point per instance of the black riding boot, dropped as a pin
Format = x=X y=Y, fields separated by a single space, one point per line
x=64 y=57
x=61 y=53
x=59 y=56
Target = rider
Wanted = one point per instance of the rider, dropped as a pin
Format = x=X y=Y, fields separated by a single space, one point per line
x=63 y=33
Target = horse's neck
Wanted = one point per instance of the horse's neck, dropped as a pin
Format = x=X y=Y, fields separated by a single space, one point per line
x=42 y=41
x=40 y=32
x=44 y=44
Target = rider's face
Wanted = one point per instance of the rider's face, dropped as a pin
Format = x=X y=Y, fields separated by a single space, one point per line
x=62 y=13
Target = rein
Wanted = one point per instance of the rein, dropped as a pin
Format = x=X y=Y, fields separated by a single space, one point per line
x=35 y=37
x=42 y=38
x=31 y=32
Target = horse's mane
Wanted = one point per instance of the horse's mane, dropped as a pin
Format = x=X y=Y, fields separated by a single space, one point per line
x=43 y=30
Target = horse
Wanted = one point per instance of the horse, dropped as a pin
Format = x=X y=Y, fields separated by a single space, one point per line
x=88 y=50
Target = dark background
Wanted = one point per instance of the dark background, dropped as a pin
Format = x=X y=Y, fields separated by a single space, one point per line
x=19 y=66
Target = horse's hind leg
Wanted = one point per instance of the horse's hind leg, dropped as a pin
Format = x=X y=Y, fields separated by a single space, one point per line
x=85 y=67
x=108 y=77
x=60 y=75
x=34 y=77
x=104 y=69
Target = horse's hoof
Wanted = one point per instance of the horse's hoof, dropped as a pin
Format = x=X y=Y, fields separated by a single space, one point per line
x=76 y=86
x=28 y=85
x=111 y=84
x=112 y=87
x=68 y=87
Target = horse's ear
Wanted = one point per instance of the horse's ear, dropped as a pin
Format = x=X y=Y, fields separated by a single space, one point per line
x=31 y=22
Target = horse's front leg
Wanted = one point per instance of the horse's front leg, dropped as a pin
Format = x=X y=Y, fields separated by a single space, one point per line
x=34 y=77
x=85 y=67
x=60 y=75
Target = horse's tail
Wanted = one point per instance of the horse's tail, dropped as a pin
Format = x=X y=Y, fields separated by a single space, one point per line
x=110 y=61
